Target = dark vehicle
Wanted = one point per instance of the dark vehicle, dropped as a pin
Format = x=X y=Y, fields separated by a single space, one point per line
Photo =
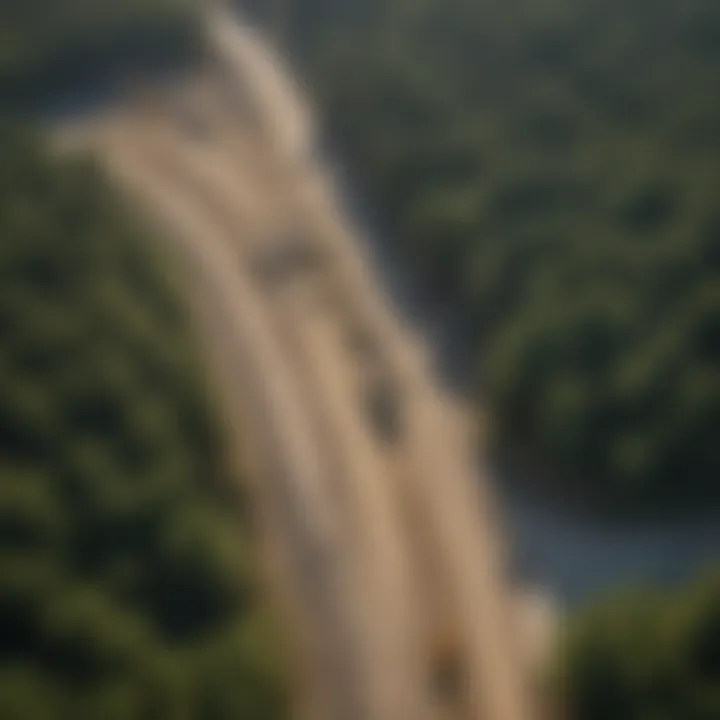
x=384 y=408
x=284 y=257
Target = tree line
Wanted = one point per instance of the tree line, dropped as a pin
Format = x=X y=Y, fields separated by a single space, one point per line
x=52 y=47
x=644 y=654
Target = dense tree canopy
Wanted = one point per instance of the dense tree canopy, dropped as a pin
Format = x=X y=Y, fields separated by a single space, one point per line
x=128 y=586
x=128 y=580
x=553 y=166
x=645 y=656
x=55 y=45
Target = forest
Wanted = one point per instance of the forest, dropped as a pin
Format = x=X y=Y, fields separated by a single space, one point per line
x=644 y=654
x=551 y=168
x=128 y=580
x=52 y=47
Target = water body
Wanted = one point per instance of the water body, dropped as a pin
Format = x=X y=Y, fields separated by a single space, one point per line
x=577 y=560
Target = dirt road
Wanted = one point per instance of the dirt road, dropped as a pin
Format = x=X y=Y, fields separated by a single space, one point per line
x=385 y=544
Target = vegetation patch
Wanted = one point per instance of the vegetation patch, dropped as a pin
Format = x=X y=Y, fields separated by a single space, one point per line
x=128 y=582
x=52 y=47
x=645 y=655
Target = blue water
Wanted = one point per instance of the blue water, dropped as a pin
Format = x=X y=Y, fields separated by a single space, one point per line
x=577 y=560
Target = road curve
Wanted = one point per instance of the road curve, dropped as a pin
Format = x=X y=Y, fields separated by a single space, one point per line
x=387 y=552
x=457 y=510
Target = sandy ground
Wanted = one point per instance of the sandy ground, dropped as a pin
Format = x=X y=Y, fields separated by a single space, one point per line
x=384 y=545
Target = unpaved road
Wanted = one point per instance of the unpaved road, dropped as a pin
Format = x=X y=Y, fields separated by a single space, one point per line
x=385 y=546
